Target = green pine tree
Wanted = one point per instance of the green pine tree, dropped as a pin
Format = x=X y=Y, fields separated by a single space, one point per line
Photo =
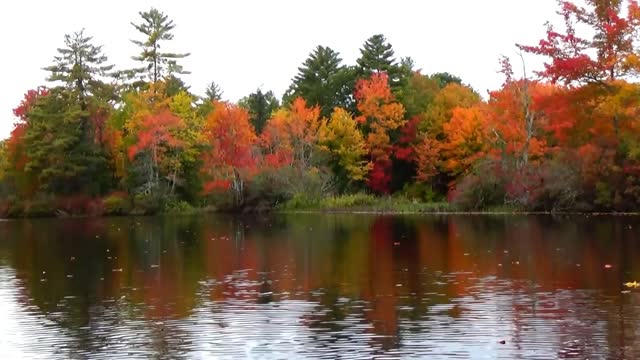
x=260 y=106
x=377 y=56
x=156 y=27
x=57 y=151
x=213 y=92
x=323 y=81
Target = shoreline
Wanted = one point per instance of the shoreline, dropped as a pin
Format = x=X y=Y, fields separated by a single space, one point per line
x=337 y=211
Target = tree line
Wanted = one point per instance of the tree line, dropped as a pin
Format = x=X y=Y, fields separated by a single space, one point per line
x=566 y=138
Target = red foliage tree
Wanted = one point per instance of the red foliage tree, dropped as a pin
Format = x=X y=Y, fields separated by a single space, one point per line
x=381 y=116
x=229 y=159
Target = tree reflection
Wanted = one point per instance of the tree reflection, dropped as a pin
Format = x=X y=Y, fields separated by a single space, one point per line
x=393 y=278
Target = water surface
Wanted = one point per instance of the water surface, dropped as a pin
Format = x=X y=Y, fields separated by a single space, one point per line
x=320 y=286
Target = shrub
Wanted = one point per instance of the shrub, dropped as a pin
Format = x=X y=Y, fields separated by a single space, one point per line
x=116 y=204
x=358 y=200
x=73 y=204
x=480 y=189
x=39 y=206
x=147 y=204
x=178 y=207
x=561 y=188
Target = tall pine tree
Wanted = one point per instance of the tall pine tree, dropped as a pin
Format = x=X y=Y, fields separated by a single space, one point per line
x=63 y=135
x=377 y=56
x=156 y=27
x=260 y=106
x=322 y=81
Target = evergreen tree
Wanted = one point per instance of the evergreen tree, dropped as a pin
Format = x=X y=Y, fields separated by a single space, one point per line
x=80 y=66
x=213 y=92
x=260 y=107
x=64 y=136
x=156 y=27
x=56 y=152
x=444 y=79
x=377 y=56
x=319 y=80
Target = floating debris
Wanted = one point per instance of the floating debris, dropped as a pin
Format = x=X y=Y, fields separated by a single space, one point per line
x=632 y=285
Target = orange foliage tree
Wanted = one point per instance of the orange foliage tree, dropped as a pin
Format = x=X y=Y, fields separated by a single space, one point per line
x=465 y=139
x=156 y=137
x=291 y=135
x=380 y=117
x=596 y=66
x=230 y=157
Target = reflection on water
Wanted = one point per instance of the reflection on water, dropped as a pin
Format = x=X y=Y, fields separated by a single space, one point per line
x=319 y=286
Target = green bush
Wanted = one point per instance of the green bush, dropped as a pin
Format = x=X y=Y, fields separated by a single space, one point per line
x=116 y=204
x=14 y=208
x=40 y=206
x=358 y=200
x=147 y=204
x=420 y=191
x=178 y=207
x=302 y=201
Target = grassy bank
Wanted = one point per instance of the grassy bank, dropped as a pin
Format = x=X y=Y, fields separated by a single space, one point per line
x=300 y=203
x=362 y=203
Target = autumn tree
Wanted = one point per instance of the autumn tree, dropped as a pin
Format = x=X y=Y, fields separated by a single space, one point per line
x=230 y=159
x=4 y=167
x=607 y=53
x=156 y=29
x=595 y=54
x=465 y=140
x=187 y=176
x=441 y=110
x=445 y=78
x=23 y=183
x=290 y=136
x=381 y=118
x=341 y=138
x=156 y=137
x=516 y=124
x=430 y=154
x=151 y=141
x=418 y=94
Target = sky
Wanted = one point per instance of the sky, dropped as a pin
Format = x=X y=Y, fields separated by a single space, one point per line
x=246 y=44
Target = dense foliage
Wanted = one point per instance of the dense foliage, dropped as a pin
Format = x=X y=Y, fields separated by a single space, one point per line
x=98 y=141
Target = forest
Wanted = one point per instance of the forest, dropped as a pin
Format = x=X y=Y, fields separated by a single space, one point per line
x=98 y=140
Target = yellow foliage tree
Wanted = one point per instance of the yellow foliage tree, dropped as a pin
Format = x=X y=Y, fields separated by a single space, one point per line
x=341 y=138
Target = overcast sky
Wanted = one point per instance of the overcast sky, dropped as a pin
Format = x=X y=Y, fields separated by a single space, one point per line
x=246 y=44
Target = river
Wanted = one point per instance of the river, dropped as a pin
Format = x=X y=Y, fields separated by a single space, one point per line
x=320 y=286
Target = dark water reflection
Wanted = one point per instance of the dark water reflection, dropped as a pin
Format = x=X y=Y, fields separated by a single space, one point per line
x=320 y=286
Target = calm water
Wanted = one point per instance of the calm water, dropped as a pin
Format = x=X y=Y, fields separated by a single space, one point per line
x=320 y=286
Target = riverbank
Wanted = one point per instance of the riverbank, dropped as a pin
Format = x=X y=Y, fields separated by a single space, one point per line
x=359 y=203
